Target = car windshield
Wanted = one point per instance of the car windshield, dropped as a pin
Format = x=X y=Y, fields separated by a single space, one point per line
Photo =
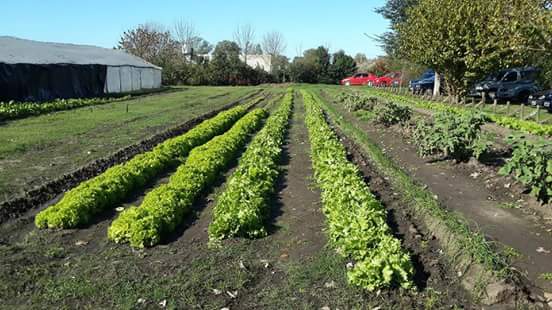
x=427 y=74
x=494 y=77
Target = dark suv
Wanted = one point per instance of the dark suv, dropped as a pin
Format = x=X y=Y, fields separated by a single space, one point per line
x=424 y=83
x=515 y=84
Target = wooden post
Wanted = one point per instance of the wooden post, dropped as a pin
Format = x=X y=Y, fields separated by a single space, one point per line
x=538 y=114
x=508 y=107
x=472 y=101
x=127 y=107
x=521 y=111
x=494 y=105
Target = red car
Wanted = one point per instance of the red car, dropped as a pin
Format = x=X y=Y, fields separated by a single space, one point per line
x=388 y=80
x=359 y=79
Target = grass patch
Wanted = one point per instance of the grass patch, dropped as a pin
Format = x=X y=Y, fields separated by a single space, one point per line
x=364 y=115
x=546 y=276
x=508 y=205
x=38 y=149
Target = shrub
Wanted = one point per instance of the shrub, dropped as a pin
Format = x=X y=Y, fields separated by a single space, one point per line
x=531 y=164
x=391 y=114
x=355 y=101
x=452 y=135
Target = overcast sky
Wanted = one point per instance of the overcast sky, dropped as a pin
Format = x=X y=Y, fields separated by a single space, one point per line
x=304 y=24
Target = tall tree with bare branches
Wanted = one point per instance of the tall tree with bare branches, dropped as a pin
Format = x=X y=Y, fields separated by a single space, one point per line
x=274 y=43
x=244 y=35
x=185 y=33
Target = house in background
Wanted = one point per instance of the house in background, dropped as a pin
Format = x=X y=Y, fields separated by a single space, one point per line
x=261 y=61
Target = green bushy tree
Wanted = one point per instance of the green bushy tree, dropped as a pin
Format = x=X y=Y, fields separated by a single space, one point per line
x=466 y=40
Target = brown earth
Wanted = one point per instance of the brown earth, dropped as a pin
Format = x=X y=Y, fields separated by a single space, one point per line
x=291 y=268
x=479 y=195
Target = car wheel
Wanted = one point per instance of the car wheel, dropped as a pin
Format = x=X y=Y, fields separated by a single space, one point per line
x=523 y=97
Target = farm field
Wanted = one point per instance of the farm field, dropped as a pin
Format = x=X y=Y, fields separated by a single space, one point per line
x=286 y=200
x=39 y=149
x=491 y=203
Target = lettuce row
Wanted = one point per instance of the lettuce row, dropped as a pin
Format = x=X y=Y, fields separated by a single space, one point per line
x=13 y=110
x=501 y=120
x=164 y=208
x=79 y=206
x=241 y=210
x=356 y=220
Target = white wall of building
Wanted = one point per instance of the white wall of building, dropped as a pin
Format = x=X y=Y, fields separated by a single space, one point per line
x=128 y=79
x=262 y=61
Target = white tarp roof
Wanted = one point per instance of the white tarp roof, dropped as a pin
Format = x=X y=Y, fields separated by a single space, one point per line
x=21 y=51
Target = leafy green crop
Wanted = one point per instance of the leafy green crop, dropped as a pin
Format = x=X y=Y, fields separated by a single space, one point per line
x=452 y=135
x=356 y=101
x=13 y=110
x=531 y=164
x=164 y=208
x=505 y=121
x=106 y=190
x=390 y=113
x=356 y=220
x=241 y=210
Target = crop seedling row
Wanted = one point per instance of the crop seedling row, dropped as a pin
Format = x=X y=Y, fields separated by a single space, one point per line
x=502 y=120
x=14 y=110
x=164 y=208
x=242 y=209
x=356 y=220
x=79 y=206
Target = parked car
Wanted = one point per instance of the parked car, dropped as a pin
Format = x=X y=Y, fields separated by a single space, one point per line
x=543 y=99
x=425 y=83
x=538 y=98
x=515 y=84
x=359 y=79
x=389 y=79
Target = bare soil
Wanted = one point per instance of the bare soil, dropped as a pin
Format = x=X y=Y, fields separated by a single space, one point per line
x=486 y=200
x=291 y=268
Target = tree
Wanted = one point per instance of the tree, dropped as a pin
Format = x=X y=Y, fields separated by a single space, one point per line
x=436 y=34
x=225 y=66
x=244 y=35
x=319 y=60
x=201 y=46
x=185 y=33
x=155 y=45
x=280 y=68
x=147 y=41
x=342 y=66
x=396 y=12
x=360 y=58
x=302 y=72
x=274 y=43
x=312 y=67
x=257 y=50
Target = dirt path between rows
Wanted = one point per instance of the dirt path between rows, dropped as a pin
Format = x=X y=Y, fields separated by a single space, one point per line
x=291 y=268
x=482 y=207
x=81 y=268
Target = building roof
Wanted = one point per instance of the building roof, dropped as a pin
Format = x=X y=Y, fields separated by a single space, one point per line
x=21 y=51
